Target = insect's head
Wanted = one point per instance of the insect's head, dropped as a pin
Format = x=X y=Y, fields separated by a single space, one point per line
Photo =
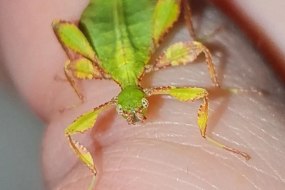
x=132 y=104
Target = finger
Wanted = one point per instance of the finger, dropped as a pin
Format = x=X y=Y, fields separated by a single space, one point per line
x=169 y=148
x=261 y=21
x=168 y=152
x=32 y=54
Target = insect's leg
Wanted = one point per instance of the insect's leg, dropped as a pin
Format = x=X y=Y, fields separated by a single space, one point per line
x=82 y=63
x=80 y=68
x=191 y=94
x=73 y=40
x=80 y=125
x=187 y=13
x=182 y=53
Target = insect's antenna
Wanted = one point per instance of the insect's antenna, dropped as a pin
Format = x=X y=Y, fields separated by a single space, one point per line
x=92 y=184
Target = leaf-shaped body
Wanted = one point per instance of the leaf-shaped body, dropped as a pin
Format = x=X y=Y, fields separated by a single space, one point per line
x=120 y=31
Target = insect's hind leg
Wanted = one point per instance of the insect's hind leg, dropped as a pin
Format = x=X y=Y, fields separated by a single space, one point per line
x=187 y=14
x=182 y=53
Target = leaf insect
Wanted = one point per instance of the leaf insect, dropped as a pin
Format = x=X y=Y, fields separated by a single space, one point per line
x=115 y=40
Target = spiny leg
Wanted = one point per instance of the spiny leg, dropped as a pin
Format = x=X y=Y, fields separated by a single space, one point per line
x=187 y=13
x=83 y=123
x=182 y=53
x=191 y=94
x=82 y=63
x=80 y=68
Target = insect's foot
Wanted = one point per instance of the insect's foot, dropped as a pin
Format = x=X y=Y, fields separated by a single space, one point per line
x=243 y=154
x=233 y=150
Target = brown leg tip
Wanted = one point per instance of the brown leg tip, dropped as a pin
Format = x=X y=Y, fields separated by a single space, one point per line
x=243 y=154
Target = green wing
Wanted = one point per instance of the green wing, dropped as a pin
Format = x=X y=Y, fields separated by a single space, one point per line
x=120 y=31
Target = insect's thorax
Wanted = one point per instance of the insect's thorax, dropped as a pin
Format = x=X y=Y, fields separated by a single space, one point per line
x=121 y=34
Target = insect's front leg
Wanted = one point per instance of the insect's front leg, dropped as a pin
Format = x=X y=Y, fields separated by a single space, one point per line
x=80 y=68
x=83 y=123
x=182 y=53
x=192 y=94
x=82 y=63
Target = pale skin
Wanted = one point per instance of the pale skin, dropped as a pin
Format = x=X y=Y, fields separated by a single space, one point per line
x=168 y=152
x=132 y=101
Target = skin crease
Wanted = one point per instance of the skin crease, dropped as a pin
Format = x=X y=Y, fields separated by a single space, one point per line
x=166 y=152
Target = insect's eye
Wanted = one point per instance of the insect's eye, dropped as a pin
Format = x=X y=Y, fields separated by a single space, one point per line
x=144 y=102
x=119 y=109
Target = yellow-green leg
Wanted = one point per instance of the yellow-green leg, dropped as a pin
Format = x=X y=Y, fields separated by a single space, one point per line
x=191 y=94
x=80 y=68
x=182 y=53
x=83 y=123
x=82 y=62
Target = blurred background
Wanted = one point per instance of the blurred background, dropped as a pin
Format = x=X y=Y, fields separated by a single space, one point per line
x=20 y=141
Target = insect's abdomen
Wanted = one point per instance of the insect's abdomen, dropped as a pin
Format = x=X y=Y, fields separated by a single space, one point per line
x=120 y=32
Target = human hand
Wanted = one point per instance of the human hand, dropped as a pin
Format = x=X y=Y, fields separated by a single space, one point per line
x=168 y=153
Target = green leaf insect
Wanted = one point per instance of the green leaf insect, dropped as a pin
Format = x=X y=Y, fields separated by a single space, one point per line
x=115 y=40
